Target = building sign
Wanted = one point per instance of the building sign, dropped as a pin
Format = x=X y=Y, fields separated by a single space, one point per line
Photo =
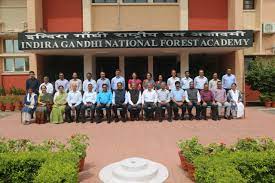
x=142 y=39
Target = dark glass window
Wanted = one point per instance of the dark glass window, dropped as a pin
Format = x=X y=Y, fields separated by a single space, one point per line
x=135 y=1
x=248 y=4
x=104 y=1
x=165 y=1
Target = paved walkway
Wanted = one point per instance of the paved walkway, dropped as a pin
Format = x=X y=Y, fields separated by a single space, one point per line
x=152 y=140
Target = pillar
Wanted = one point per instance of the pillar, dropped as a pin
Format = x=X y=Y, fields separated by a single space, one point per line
x=151 y=65
x=122 y=65
x=35 y=15
x=183 y=15
x=184 y=63
x=87 y=15
x=89 y=65
x=239 y=69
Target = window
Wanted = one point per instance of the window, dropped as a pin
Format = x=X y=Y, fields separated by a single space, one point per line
x=165 y=1
x=104 y=1
x=11 y=46
x=248 y=4
x=135 y=1
x=16 y=64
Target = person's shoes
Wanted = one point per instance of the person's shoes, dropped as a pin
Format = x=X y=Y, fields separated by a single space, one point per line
x=109 y=120
x=160 y=120
x=169 y=120
x=98 y=120
x=92 y=120
x=116 y=119
x=182 y=118
x=123 y=120
x=146 y=119
x=219 y=118
x=191 y=117
x=176 y=118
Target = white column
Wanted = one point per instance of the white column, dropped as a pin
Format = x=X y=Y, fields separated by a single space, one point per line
x=87 y=15
x=184 y=63
x=151 y=65
x=122 y=65
x=89 y=65
x=183 y=15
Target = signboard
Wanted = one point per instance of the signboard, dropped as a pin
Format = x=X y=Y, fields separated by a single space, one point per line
x=135 y=39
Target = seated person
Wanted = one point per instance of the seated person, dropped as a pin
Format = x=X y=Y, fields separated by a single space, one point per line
x=193 y=99
x=119 y=101
x=221 y=100
x=234 y=97
x=58 y=108
x=207 y=99
x=134 y=100
x=149 y=100
x=45 y=101
x=103 y=100
x=30 y=103
x=178 y=99
x=89 y=102
x=74 y=102
x=164 y=101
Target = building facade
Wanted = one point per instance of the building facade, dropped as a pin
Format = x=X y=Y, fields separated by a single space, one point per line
x=131 y=15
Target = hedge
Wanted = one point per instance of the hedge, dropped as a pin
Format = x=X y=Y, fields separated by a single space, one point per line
x=38 y=167
x=238 y=167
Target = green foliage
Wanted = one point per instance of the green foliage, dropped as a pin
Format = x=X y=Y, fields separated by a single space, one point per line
x=2 y=91
x=261 y=75
x=78 y=144
x=16 y=91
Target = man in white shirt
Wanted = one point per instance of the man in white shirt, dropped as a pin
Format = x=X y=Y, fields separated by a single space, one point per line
x=200 y=80
x=48 y=85
x=149 y=101
x=185 y=81
x=89 y=102
x=76 y=81
x=172 y=80
x=164 y=102
x=134 y=100
x=74 y=101
x=62 y=81
x=88 y=81
x=214 y=82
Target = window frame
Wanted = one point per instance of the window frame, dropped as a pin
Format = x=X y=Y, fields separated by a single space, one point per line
x=123 y=1
x=93 y=2
x=165 y=1
x=15 y=47
x=249 y=4
x=26 y=59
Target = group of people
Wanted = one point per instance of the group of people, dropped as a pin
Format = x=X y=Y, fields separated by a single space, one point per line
x=155 y=98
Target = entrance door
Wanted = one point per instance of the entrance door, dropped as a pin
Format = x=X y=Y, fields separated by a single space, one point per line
x=164 y=64
x=107 y=65
x=138 y=65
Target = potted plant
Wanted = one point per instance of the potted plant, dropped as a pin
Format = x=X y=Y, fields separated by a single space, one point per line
x=266 y=99
x=18 y=103
x=273 y=99
x=78 y=144
x=3 y=104
x=10 y=103
x=2 y=91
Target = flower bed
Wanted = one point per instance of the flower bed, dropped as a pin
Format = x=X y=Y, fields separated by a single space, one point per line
x=247 y=160
x=51 y=161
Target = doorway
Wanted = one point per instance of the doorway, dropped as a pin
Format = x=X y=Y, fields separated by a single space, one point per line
x=138 y=65
x=164 y=64
x=108 y=65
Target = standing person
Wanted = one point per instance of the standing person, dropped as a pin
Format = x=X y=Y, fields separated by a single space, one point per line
x=164 y=102
x=235 y=98
x=74 y=102
x=119 y=101
x=58 y=108
x=207 y=99
x=32 y=83
x=178 y=98
x=135 y=80
x=30 y=103
x=88 y=81
x=149 y=100
x=75 y=81
x=45 y=101
x=48 y=85
x=193 y=99
x=62 y=82
x=228 y=79
x=158 y=83
x=147 y=81
x=89 y=102
x=172 y=80
x=103 y=80
x=185 y=81
x=103 y=100
x=134 y=100
x=200 y=80
x=118 y=78
x=213 y=83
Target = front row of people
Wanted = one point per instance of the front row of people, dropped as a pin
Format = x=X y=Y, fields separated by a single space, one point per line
x=155 y=103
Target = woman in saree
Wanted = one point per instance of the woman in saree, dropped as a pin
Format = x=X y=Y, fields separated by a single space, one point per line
x=30 y=103
x=58 y=109
x=234 y=97
x=43 y=110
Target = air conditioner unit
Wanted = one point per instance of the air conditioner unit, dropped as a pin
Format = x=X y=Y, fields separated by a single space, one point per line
x=269 y=28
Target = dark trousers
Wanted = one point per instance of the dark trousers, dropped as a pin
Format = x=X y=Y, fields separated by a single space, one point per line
x=161 y=110
x=84 y=108
x=99 y=111
x=190 y=107
x=176 y=109
x=214 y=110
x=134 y=110
x=122 y=112
x=149 y=109
x=68 y=110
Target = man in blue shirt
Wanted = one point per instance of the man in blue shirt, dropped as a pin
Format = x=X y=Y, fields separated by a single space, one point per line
x=178 y=98
x=118 y=78
x=104 y=100
x=228 y=79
